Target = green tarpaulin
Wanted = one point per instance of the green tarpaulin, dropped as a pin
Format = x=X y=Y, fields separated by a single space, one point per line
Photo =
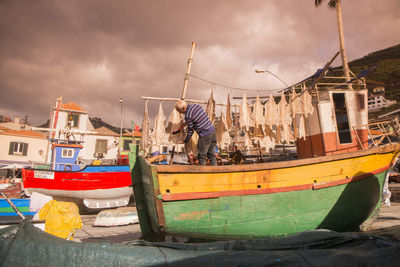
x=25 y=245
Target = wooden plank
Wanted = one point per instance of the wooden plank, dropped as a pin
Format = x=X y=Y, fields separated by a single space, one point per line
x=274 y=165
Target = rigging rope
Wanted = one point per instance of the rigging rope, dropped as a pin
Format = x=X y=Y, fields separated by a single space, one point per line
x=237 y=88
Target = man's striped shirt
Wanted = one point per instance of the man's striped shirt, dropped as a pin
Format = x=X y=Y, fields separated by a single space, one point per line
x=197 y=120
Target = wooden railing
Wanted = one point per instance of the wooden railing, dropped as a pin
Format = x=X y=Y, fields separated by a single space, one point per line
x=379 y=131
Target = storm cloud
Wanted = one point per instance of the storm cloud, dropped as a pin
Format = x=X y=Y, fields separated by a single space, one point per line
x=96 y=52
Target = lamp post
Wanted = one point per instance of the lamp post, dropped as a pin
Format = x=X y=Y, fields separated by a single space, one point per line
x=267 y=71
x=120 y=133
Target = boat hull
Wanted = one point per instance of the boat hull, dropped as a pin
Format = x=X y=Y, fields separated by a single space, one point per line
x=338 y=192
x=102 y=183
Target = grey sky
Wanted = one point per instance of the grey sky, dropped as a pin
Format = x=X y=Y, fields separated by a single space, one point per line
x=94 y=52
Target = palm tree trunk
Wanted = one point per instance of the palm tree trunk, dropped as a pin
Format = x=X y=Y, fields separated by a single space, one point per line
x=341 y=39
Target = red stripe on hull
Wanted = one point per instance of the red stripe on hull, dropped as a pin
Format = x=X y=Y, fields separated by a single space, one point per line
x=204 y=195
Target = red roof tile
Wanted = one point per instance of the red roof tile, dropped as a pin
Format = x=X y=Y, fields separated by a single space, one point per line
x=26 y=133
x=72 y=106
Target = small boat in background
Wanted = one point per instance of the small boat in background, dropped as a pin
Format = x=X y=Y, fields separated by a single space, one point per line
x=14 y=211
x=94 y=186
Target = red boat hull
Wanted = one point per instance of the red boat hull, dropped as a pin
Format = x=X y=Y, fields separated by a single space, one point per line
x=92 y=182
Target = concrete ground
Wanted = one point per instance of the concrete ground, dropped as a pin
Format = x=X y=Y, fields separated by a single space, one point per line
x=387 y=224
x=114 y=234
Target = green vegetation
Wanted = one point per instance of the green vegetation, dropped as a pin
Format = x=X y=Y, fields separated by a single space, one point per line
x=387 y=72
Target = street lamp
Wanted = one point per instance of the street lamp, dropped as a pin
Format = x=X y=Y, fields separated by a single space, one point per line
x=120 y=133
x=267 y=71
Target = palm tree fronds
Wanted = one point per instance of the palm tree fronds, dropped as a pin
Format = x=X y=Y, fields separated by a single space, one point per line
x=331 y=3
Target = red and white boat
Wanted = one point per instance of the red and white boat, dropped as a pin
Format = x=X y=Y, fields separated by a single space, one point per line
x=97 y=186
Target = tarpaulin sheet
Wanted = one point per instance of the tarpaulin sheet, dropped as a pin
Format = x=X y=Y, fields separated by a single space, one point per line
x=25 y=245
x=62 y=218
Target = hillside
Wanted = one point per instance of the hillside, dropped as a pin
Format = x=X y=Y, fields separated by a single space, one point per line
x=97 y=123
x=386 y=73
x=387 y=70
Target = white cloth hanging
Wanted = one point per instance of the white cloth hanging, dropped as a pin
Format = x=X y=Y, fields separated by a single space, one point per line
x=259 y=119
x=306 y=104
x=191 y=146
x=175 y=122
x=222 y=133
x=159 y=136
x=295 y=105
x=271 y=113
x=229 y=122
x=284 y=132
x=266 y=142
x=211 y=106
x=245 y=118
x=145 y=141
x=301 y=126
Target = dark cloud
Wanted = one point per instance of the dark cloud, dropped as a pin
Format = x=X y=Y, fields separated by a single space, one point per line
x=95 y=52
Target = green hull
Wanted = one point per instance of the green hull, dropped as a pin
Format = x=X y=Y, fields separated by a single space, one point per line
x=338 y=208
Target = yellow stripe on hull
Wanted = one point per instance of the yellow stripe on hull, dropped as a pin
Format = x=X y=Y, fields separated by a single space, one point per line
x=329 y=171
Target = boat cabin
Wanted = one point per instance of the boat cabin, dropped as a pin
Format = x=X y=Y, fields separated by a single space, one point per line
x=337 y=125
x=64 y=157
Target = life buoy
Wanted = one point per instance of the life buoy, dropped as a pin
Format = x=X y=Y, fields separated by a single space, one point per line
x=68 y=168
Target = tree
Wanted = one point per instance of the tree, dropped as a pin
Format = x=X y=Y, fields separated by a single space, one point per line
x=337 y=4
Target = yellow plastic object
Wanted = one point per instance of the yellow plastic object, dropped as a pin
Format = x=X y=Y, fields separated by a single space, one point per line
x=62 y=218
x=96 y=162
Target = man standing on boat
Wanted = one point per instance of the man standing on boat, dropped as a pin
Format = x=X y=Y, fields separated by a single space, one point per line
x=197 y=120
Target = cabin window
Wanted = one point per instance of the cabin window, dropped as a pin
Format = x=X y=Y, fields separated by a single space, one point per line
x=361 y=101
x=342 y=120
x=73 y=119
x=126 y=144
x=17 y=148
x=67 y=153
x=101 y=146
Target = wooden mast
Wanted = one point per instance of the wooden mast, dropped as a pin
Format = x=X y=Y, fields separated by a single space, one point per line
x=185 y=84
x=187 y=75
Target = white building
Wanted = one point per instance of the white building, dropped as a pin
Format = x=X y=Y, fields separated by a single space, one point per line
x=376 y=99
x=22 y=147
x=378 y=102
x=25 y=145
x=72 y=122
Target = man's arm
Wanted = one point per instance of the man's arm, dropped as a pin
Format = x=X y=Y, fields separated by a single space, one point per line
x=190 y=132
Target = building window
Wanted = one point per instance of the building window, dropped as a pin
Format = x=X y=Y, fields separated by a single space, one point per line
x=101 y=147
x=17 y=148
x=126 y=144
x=67 y=153
x=73 y=119
x=137 y=142
x=164 y=149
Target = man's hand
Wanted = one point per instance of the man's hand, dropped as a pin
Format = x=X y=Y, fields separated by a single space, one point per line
x=177 y=131
x=180 y=129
